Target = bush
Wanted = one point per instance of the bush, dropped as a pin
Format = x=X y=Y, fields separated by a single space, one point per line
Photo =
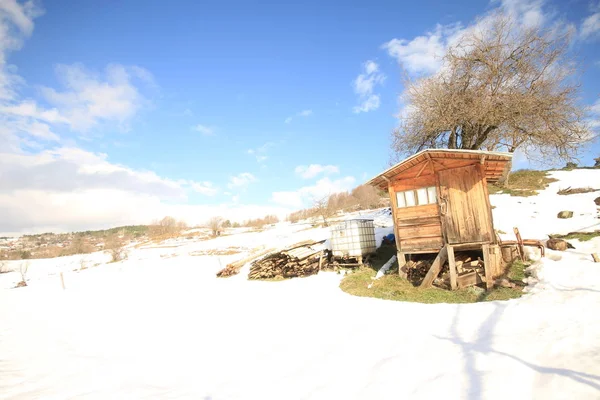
x=116 y=248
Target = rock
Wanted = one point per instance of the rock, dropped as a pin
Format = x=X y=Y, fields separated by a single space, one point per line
x=597 y=201
x=565 y=214
x=558 y=244
x=504 y=283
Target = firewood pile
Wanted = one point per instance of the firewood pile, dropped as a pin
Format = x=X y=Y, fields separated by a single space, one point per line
x=235 y=267
x=465 y=265
x=290 y=263
x=416 y=270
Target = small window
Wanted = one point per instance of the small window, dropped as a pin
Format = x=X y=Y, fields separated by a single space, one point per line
x=417 y=197
x=410 y=198
x=400 y=200
x=432 y=194
x=422 y=196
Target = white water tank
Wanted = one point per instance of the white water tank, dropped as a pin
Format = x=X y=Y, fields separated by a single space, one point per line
x=353 y=238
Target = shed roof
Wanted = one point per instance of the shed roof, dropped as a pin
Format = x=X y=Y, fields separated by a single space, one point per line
x=496 y=163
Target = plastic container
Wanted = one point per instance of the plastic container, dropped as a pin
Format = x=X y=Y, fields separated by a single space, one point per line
x=353 y=238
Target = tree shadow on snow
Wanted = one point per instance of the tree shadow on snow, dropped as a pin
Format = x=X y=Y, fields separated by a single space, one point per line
x=482 y=344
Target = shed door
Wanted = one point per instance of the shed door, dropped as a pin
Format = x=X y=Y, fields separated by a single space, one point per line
x=465 y=212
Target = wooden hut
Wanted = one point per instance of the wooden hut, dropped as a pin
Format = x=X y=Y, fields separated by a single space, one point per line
x=440 y=203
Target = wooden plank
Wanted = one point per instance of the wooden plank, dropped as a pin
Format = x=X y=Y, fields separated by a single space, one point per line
x=410 y=245
x=420 y=221
x=435 y=269
x=470 y=279
x=402 y=270
x=425 y=163
x=452 y=267
x=466 y=217
x=413 y=231
x=488 y=205
x=401 y=182
x=596 y=257
x=392 y=194
x=428 y=210
x=488 y=267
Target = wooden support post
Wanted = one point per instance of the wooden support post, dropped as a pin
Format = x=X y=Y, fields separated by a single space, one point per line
x=452 y=267
x=402 y=270
x=425 y=163
x=321 y=261
x=521 y=247
x=435 y=269
x=488 y=267
x=62 y=281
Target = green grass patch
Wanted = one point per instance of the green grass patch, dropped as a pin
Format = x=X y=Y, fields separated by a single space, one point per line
x=523 y=183
x=392 y=287
x=516 y=271
x=581 y=236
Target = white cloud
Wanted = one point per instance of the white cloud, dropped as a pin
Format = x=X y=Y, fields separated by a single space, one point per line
x=241 y=181
x=306 y=195
x=590 y=27
x=260 y=153
x=70 y=189
x=308 y=172
x=364 y=85
x=423 y=54
x=369 y=104
x=89 y=98
x=303 y=113
x=16 y=24
x=205 y=130
x=206 y=188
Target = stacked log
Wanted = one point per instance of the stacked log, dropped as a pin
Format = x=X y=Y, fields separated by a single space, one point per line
x=291 y=263
x=416 y=270
x=234 y=267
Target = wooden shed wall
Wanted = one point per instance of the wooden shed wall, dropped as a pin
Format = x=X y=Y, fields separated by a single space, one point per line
x=417 y=228
x=423 y=228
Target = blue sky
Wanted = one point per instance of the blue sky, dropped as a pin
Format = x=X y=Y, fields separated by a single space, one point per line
x=121 y=112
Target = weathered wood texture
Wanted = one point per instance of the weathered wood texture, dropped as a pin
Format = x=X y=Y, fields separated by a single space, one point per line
x=470 y=279
x=452 y=267
x=465 y=211
x=435 y=269
x=419 y=228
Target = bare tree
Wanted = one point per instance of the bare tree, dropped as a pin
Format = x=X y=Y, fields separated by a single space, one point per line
x=324 y=209
x=169 y=225
x=366 y=196
x=215 y=224
x=503 y=87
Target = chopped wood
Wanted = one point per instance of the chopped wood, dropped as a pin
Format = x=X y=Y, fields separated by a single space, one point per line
x=300 y=260
x=435 y=269
x=234 y=267
x=596 y=257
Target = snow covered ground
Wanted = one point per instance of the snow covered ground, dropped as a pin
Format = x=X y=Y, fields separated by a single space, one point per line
x=160 y=325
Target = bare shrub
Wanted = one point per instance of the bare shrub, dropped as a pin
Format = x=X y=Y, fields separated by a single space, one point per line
x=215 y=224
x=115 y=246
x=23 y=268
x=167 y=226
x=366 y=196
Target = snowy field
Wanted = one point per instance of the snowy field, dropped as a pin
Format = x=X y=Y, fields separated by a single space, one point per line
x=160 y=325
